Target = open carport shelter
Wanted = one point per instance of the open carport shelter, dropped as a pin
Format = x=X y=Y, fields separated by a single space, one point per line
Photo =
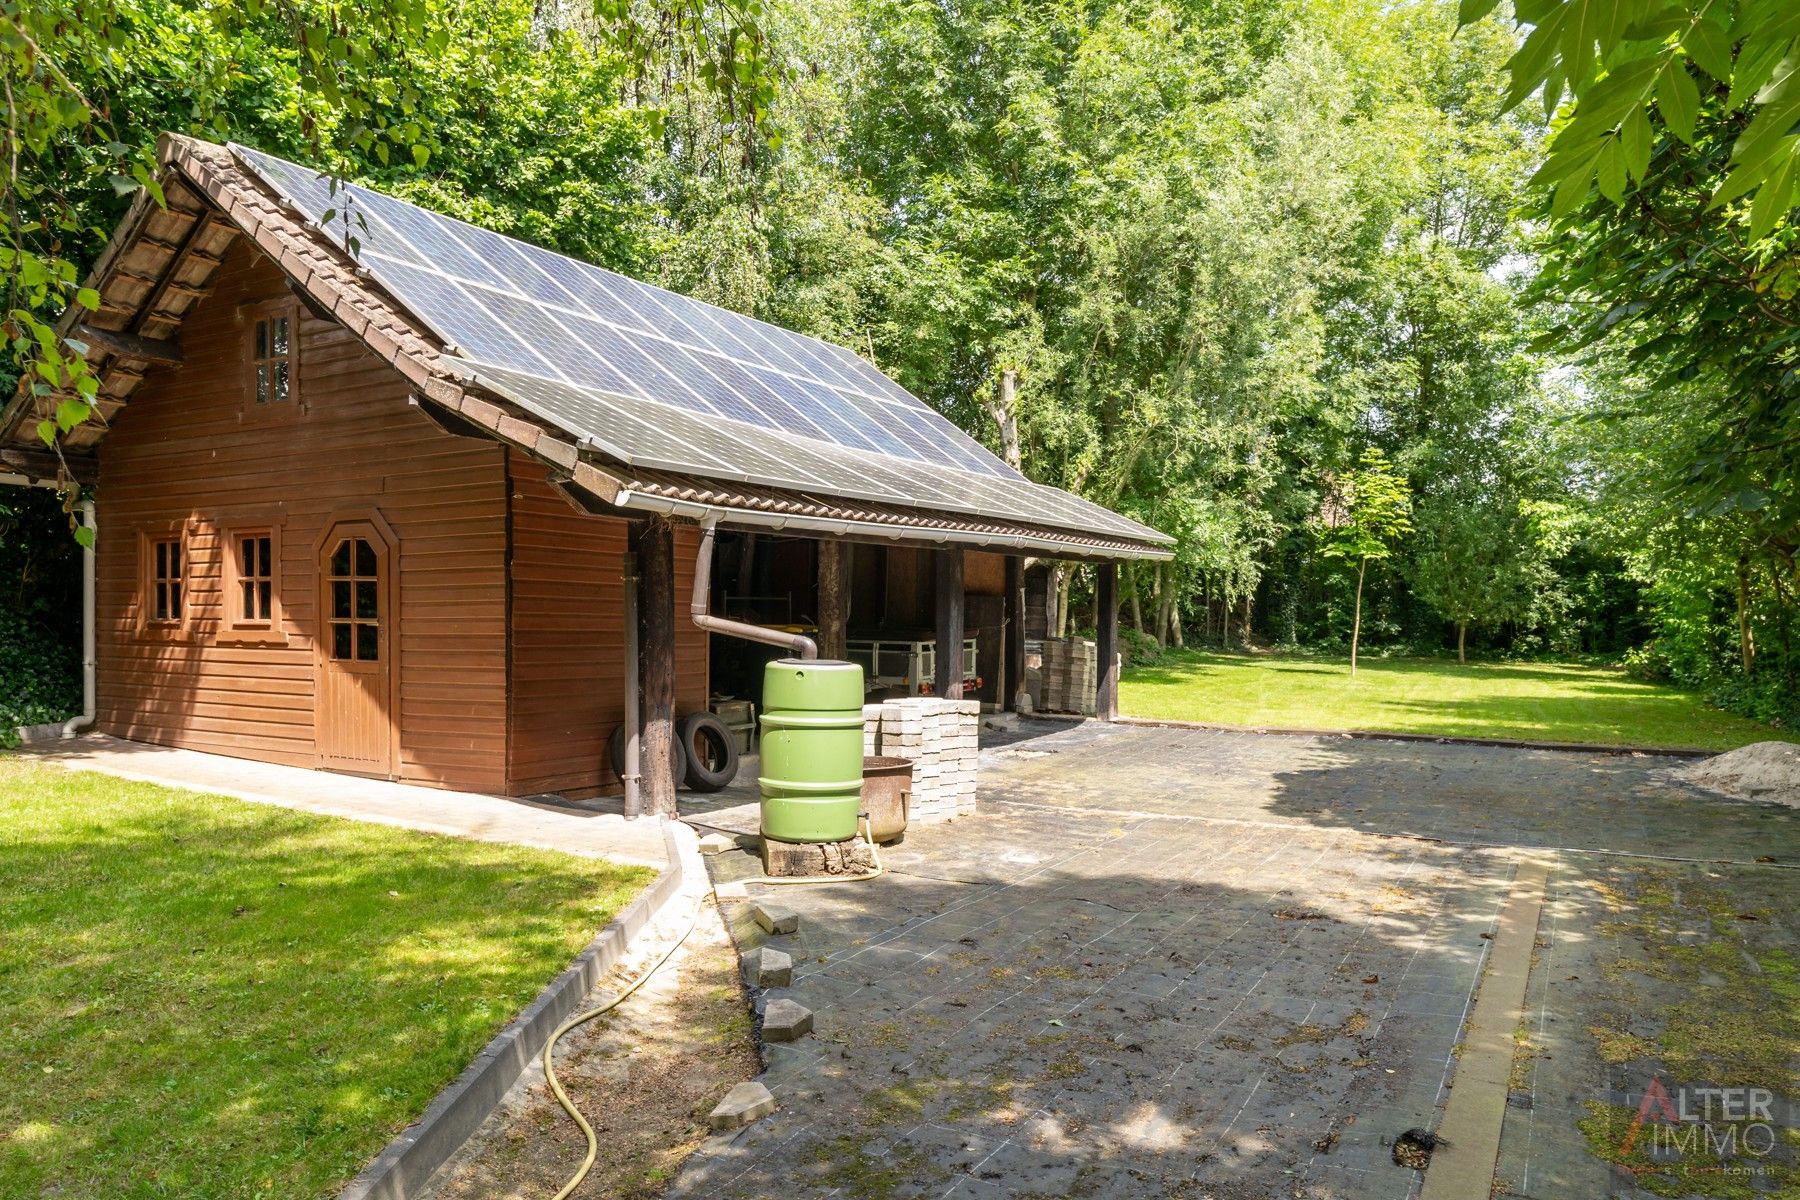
x=375 y=488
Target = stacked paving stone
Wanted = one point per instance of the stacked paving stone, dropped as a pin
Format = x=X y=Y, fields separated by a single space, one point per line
x=941 y=737
x=1068 y=674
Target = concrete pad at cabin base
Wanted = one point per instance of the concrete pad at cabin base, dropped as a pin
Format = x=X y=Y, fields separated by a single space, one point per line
x=773 y=918
x=769 y=968
x=742 y=1105
x=786 y=1021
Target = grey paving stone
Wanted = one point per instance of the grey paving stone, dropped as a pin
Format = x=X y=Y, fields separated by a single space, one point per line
x=936 y=1070
x=786 y=1020
x=768 y=967
x=774 y=918
x=743 y=1104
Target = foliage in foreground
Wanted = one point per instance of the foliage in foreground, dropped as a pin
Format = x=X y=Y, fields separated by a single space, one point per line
x=204 y=997
x=1189 y=258
x=40 y=664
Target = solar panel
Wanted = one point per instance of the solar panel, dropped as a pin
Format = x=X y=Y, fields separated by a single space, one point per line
x=649 y=434
x=655 y=379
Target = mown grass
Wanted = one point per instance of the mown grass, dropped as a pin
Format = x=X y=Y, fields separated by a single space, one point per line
x=205 y=997
x=1561 y=702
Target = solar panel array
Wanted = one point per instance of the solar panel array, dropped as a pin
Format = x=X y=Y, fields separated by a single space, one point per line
x=654 y=378
x=646 y=433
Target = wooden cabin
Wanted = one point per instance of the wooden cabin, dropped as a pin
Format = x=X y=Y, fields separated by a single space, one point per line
x=366 y=507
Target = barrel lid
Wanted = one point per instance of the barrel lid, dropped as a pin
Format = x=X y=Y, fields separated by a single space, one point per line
x=814 y=664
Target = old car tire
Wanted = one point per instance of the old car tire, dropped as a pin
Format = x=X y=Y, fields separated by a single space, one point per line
x=615 y=753
x=712 y=756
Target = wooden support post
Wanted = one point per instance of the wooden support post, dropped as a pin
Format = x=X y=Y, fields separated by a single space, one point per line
x=948 y=683
x=655 y=547
x=631 y=771
x=1012 y=672
x=834 y=600
x=1106 y=641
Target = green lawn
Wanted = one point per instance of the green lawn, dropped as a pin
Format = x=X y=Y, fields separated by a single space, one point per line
x=1539 y=701
x=201 y=997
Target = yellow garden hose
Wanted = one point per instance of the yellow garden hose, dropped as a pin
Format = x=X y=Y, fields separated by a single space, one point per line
x=556 y=1087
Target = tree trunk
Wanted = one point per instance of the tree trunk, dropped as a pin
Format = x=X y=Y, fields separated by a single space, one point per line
x=1064 y=582
x=1137 y=605
x=1005 y=411
x=1249 y=600
x=656 y=634
x=1746 y=639
x=834 y=600
x=1462 y=632
x=1356 y=622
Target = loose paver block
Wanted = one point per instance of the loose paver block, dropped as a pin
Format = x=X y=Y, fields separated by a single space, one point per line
x=769 y=968
x=786 y=1021
x=743 y=1104
x=717 y=843
x=775 y=919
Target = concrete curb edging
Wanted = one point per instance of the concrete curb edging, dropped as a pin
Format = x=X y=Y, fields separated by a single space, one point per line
x=407 y=1162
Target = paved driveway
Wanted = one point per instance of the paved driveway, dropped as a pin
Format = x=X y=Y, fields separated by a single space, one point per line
x=1182 y=963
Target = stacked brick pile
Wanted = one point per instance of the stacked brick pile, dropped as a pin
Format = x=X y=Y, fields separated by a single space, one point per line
x=941 y=739
x=1068 y=674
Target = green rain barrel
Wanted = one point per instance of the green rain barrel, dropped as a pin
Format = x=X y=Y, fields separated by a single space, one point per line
x=812 y=750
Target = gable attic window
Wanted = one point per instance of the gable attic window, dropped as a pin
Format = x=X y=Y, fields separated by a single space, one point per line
x=272 y=374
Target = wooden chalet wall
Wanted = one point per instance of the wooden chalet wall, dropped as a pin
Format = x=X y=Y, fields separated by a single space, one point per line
x=568 y=647
x=509 y=615
x=186 y=450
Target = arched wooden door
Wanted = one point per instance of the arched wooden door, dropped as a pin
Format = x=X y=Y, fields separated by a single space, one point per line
x=355 y=708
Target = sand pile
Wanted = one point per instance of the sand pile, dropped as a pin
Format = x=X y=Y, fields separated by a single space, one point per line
x=1767 y=771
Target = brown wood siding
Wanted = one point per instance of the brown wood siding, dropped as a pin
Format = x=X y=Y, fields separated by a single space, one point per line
x=184 y=450
x=568 y=638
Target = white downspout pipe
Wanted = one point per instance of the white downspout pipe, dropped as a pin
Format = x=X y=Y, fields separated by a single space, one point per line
x=89 y=697
x=797 y=644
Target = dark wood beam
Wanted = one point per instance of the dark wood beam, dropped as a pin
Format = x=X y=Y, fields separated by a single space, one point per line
x=654 y=544
x=1106 y=641
x=950 y=599
x=834 y=600
x=1012 y=673
x=42 y=466
x=130 y=345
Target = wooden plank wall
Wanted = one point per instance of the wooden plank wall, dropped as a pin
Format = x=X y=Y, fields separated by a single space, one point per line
x=568 y=638
x=184 y=450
